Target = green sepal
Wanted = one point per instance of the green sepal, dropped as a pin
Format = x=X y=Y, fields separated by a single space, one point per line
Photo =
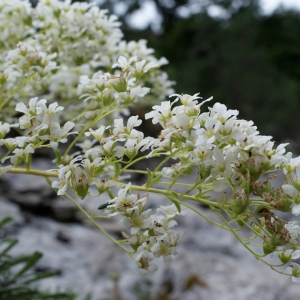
x=269 y=248
x=82 y=191
x=110 y=194
x=156 y=179
x=58 y=157
x=28 y=160
x=151 y=232
x=149 y=178
x=117 y=168
x=284 y=258
x=174 y=200
x=242 y=219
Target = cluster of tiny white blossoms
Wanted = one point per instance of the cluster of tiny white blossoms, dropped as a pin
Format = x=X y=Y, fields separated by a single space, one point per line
x=58 y=42
x=41 y=128
x=150 y=235
x=86 y=76
x=230 y=153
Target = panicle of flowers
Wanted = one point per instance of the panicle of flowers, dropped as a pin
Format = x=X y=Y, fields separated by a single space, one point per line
x=151 y=236
x=77 y=38
x=225 y=149
x=30 y=61
x=15 y=23
x=41 y=125
x=79 y=174
x=26 y=71
x=230 y=153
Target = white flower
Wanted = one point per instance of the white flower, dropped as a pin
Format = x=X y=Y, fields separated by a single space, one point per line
x=137 y=220
x=34 y=107
x=123 y=63
x=4 y=170
x=294 y=230
x=21 y=154
x=161 y=224
x=99 y=133
x=120 y=129
x=160 y=113
x=170 y=211
x=142 y=259
x=220 y=112
x=58 y=134
x=294 y=270
x=4 y=129
x=64 y=172
x=143 y=67
x=163 y=247
x=291 y=163
x=291 y=191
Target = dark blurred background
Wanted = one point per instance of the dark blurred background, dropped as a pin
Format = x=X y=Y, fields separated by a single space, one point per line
x=230 y=50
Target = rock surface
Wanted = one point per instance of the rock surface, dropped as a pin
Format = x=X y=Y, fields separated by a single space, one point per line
x=211 y=263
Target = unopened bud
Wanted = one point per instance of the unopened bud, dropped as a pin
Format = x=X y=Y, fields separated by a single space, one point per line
x=80 y=182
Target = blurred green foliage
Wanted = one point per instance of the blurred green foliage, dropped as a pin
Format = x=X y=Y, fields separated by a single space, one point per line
x=18 y=276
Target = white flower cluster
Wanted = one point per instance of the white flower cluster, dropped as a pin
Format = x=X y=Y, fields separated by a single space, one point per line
x=84 y=169
x=15 y=23
x=105 y=88
x=230 y=153
x=224 y=148
x=74 y=40
x=28 y=68
x=41 y=124
x=151 y=236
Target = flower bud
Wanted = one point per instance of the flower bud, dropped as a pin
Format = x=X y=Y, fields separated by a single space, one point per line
x=80 y=182
x=102 y=185
x=242 y=219
x=239 y=202
x=285 y=256
x=119 y=84
x=268 y=247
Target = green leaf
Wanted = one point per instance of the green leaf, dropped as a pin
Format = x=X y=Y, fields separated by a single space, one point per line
x=58 y=157
x=30 y=262
x=150 y=174
x=37 y=277
x=117 y=168
x=5 y=220
x=10 y=242
x=174 y=200
x=156 y=179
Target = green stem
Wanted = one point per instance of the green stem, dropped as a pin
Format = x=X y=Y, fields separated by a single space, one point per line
x=257 y=256
x=133 y=162
x=96 y=224
x=169 y=194
x=202 y=215
x=32 y=172
x=86 y=128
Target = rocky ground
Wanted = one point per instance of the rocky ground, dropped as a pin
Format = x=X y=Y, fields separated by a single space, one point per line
x=211 y=263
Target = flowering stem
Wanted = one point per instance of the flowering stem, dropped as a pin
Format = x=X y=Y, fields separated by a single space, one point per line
x=96 y=224
x=257 y=256
x=32 y=172
x=135 y=161
x=201 y=215
x=86 y=128
x=170 y=194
